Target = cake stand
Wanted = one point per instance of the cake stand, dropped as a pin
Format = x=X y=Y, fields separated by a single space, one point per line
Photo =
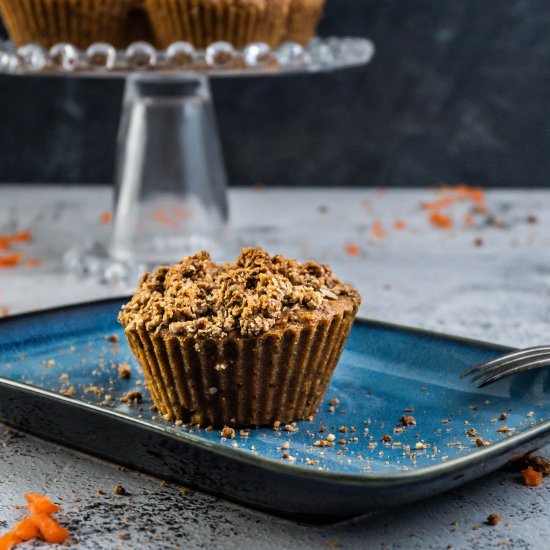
x=171 y=183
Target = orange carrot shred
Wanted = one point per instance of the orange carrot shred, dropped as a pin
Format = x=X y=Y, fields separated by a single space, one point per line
x=480 y=208
x=21 y=236
x=468 y=219
x=39 y=522
x=33 y=262
x=26 y=529
x=49 y=528
x=531 y=477
x=458 y=193
x=439 y=203
x=9 y=540
x=377 y=230
x=106 y=217
x=42 y=504
x=441 y=220
x=399 y=225
x=182 y=213
x=353 y=249
x=10 y=260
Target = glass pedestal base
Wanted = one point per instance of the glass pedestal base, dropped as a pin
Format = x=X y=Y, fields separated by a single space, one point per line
x=98 y=262
x=171 y=188
x=171 y=198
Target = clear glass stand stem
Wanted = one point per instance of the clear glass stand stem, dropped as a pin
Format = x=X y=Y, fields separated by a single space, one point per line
x=171 y=186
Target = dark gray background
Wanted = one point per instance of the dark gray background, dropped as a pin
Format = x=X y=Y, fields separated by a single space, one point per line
x=459 y=91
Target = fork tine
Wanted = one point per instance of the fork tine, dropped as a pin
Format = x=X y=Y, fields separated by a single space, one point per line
x=509 y=363
x=517 y=369
x=505 y=358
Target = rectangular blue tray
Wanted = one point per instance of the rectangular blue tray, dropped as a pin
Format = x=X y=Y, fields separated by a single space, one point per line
x=384 y=372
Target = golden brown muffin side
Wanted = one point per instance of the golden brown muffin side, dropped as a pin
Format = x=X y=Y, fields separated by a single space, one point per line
x=304 y=16
x=47 y=22
x=279 y=376
x=239 y=22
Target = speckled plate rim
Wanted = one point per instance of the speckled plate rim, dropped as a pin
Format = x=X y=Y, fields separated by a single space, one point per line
x=356 y=479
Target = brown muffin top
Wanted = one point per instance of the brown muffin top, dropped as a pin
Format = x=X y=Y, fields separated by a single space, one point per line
x=200 y=297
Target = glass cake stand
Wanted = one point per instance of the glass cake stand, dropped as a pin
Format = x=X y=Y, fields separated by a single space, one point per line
x=171 y=183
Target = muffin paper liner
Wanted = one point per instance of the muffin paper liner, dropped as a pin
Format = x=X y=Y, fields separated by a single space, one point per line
x=303 y=19
x=47 y=22
x=162 y=22
x=202 y=22
x=242 y=381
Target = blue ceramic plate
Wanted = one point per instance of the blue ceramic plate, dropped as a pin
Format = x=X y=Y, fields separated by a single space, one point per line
x=371 y=461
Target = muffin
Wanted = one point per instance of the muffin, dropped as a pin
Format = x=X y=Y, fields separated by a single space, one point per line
x=79 y=22
x=246 y=344
x=138 y=25
x=239 y=22
x=303 y=18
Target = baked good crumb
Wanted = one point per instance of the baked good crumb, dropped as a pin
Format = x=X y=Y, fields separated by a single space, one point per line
x=227 y=433
x=407 y=420
x=124 y=371
x=132 y=397
x=119 y=490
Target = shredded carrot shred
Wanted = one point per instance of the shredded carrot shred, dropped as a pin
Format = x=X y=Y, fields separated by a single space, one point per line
x=441 y=220
x=40 y=503
x=21 y=236
x=480 y=208
x=531 y=477
x=33 y=262
x=11 y=260
x=171 y=217
x=443 y=202
x=49 y=528
x=353 y=249
x=452 y=195
x=26 y=529
x=6 y=242
x=182 y=213
x=162 y=216
x=468 y=219
x=106 y=217
x=9 y=540
x=377 y=230
x=399 y=225
x=473 y=193
x=39 y=523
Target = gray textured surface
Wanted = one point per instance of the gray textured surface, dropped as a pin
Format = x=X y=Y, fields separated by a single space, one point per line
x=419 y=276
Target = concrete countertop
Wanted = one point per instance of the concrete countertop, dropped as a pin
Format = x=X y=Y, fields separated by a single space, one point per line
x=486 y=278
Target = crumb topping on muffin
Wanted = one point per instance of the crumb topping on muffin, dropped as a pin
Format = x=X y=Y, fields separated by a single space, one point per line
x=200 y=297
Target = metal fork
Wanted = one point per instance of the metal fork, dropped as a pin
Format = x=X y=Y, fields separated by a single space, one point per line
x=511 y=363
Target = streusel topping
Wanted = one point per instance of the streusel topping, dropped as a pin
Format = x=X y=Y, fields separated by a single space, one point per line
x=200 y=297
